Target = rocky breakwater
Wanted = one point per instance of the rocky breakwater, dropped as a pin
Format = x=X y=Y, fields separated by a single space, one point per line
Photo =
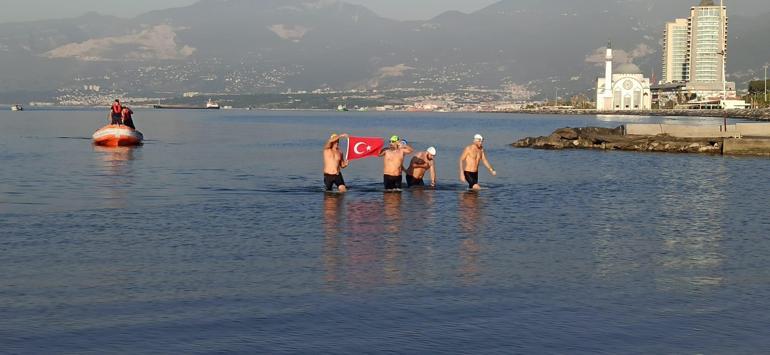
x=615 y=139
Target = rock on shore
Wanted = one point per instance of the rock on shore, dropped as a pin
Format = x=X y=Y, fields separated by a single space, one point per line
x=614 y=139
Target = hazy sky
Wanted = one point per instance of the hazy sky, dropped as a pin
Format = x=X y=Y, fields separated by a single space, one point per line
x=23 y=10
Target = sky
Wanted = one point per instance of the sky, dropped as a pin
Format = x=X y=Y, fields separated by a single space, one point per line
x=25 y=10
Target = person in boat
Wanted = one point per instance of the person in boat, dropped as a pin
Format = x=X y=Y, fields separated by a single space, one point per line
x=127 y=117
x=334 y=163
x=421 y=163
x=116 y=113
x=470 y=160
x=393 y=163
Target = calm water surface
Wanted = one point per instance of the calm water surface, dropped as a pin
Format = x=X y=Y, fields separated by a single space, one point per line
x=216 y=236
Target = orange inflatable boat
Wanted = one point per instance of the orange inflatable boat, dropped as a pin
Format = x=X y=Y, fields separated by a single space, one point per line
x=117 y=136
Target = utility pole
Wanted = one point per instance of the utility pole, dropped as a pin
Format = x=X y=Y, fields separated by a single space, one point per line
x=556 y=99
x=766 y=84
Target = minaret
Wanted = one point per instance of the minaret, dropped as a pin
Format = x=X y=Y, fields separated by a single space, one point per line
x=608 y=72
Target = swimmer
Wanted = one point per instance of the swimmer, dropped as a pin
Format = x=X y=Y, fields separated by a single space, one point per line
x=334 y=163
x=393 y=163
x=421 y=163
x=472 y=156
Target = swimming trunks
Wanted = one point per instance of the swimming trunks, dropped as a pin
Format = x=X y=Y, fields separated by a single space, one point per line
x=472 y=178
x=331 y=180
x=412 y=181
x=129 y=122
x=392 y=182
x=116 y=118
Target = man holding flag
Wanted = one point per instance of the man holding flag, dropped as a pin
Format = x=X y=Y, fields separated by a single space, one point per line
x=333 y=163
x=394 y=162
x=358 y=148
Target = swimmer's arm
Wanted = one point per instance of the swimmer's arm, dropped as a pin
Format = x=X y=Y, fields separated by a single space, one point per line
x=382 y=152
x=487 y=164
x=344 y=164
x=332 y=140
x=462 y=159
x=420 y=163
x=433 y=175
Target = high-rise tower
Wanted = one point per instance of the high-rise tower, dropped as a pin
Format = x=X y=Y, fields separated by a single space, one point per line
x=676 y=67
x=707 y=52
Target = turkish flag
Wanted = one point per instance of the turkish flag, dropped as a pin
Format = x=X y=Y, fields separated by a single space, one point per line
x=363 y=147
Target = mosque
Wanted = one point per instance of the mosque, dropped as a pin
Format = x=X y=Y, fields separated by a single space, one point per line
x=626 y=88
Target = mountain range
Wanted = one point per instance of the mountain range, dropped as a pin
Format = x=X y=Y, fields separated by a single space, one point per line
x=267 y=46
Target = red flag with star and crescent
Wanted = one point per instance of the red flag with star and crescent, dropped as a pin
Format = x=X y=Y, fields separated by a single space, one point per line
x=363 y=147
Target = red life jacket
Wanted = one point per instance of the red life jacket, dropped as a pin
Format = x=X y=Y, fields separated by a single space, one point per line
x=127 y=114
x=116 y=108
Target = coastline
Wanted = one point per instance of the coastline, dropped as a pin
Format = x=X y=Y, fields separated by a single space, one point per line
x=751 y=114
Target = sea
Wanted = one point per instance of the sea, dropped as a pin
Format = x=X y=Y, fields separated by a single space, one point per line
x=216 y=236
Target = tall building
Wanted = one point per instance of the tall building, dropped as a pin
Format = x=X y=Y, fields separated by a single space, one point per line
x=708 y=43
x=695 y=51
x=676 y=39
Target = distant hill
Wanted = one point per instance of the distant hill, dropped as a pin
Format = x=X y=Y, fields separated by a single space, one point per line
x=248 y=46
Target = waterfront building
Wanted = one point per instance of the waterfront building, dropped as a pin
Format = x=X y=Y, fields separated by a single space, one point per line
x=695 y=52
x=707 y=55
x=622 y=89
x=676 y=39
x=708 y=43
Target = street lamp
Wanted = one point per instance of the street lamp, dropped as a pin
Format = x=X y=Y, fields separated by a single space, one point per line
x=723 y=53
x=724 y=74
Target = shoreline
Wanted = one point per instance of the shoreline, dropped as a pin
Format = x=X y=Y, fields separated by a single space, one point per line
x=750 y=114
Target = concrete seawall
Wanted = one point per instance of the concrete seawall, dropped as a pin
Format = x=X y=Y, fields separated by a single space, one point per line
x=746 y=146
x=738 y=130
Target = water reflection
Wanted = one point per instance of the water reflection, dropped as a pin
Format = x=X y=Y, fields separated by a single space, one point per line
x=693 y=210
x=677 y=224
x=333 y=216
x=423 y=201
x=424 y=233
x=117 y=167
x=354 y=233
x=363 y=245
x=393 y=252
x=471 y=220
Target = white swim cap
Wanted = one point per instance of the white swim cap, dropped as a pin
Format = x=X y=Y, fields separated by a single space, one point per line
x=431 y=151
x=478 y=137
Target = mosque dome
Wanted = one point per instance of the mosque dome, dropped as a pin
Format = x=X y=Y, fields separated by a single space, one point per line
x=628 y=69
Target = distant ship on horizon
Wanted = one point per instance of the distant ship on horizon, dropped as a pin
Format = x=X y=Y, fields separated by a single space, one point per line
x=210 y=105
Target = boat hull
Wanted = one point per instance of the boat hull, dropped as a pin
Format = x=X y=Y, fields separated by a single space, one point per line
x=117 y=136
